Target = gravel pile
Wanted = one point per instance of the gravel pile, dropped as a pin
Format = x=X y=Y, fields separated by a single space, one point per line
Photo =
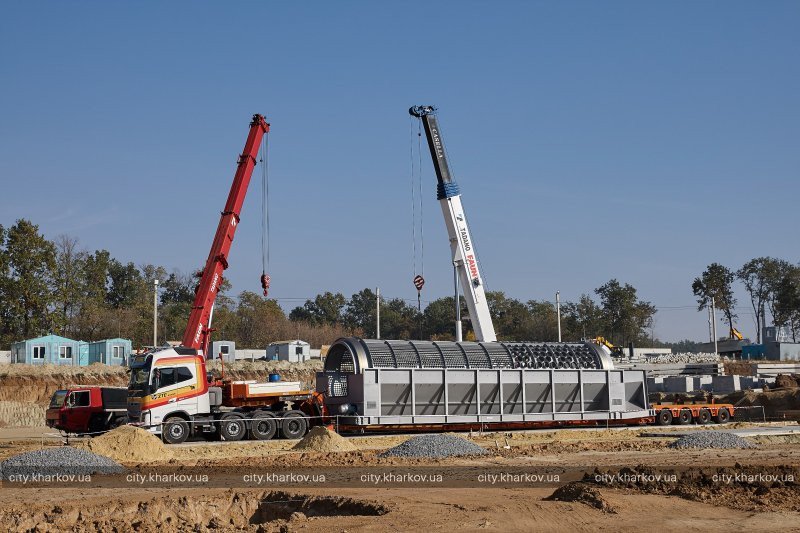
x=683 y=358
x=712 y=439
x=61 y=461
x=439 y=445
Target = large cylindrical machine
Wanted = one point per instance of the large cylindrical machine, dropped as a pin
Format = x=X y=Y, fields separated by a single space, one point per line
x=369 y=384
x=353 y=355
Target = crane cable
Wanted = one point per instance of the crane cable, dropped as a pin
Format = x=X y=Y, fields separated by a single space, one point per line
x=265 y=279
x=417 y=220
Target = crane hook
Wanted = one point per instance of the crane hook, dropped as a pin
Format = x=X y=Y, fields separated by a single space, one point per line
x=265 y=279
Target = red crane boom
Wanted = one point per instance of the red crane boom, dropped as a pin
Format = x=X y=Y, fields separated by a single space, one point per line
x=198 y=330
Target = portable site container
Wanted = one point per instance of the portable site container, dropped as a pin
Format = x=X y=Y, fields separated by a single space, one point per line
x=50 y=349
x=110 y=351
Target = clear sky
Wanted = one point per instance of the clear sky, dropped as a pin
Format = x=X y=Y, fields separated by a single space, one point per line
x=592 y=140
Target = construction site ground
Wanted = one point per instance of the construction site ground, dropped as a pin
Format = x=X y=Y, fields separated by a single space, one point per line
x=466 y=498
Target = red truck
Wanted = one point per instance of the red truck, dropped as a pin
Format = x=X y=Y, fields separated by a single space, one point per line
x=88 y=409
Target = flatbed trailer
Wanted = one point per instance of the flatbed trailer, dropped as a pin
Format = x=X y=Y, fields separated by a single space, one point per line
x=688 y=413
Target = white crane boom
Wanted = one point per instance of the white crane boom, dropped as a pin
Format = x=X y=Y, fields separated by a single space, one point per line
x=463 y=248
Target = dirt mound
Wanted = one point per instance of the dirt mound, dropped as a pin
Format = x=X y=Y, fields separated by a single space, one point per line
x=784 y=381
x=129 y=444
x=321 y=439
x=230 y=511
x=577 y=491
x=749 y=488
x=777 y=404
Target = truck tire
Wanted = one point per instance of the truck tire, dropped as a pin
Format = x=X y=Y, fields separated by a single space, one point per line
x=704 y=416
x=263 y=426
x=685 y=417
x=232 y=427
x=175 y=430
x=97 y=425
x=723 y=416
x=664 y=417
x=293 y=425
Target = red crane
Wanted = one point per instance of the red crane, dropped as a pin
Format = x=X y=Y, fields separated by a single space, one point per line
x=198 y=330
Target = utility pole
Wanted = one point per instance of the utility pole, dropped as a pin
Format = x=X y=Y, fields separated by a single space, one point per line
x=558 y=313
x=710 y=326
x=457 y=299
x=155 y=313
x=377 y=312
x=714 y=325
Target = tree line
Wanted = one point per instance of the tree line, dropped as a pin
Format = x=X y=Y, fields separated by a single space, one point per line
x=772 y=285
x=58 y=287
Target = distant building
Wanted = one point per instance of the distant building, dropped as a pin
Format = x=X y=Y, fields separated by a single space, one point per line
x=57 y=350
x=110 y=351
x=295 y=351
x=50 y=349
x=226 y=349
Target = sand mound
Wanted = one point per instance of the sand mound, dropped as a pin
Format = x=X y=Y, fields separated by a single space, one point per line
x=582 y=493
x=129 y=444
x=321 y=439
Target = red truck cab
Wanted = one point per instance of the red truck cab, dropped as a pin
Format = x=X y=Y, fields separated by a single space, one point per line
x=87 y=409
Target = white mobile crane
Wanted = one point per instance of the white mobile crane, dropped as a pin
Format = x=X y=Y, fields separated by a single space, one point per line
x=463 y=248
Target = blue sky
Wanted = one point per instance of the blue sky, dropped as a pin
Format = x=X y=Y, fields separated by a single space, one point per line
x=592 y=140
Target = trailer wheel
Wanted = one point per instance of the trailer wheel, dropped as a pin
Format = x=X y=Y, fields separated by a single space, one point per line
x=263 y=426
x=175 y=430
x=232 y=427
x=664 y=417
x=293 y=425
x=685 y=417
x=723 y=416
x=704 y=416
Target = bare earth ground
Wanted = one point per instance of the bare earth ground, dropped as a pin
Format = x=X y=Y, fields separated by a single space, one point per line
x=693 y=500
x=690 y=504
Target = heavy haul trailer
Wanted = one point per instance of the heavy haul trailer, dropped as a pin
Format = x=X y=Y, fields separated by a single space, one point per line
x=375 y=385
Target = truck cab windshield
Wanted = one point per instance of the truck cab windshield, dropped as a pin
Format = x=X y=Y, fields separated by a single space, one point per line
x=140 y=378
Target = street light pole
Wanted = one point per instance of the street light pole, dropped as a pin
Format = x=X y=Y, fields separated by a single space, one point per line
x=714 y=325
x=377 y=312
x=558 y=312
x=155 y=313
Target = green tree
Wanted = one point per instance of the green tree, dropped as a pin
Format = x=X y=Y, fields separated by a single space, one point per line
x=400 y=320
x=716 y=282
x=775 y=277
x=323 y=309
x=439 y=318
x=582 y=319
x=512 y=320
x=257 y=319
x=69 y=280
x=787 y=305
x=30 y=263
x=756 y=275
x=6 y=336
x=542 y=322
x=624 y=316
x=178 y=288
x=126 y=284
x=360 y=311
